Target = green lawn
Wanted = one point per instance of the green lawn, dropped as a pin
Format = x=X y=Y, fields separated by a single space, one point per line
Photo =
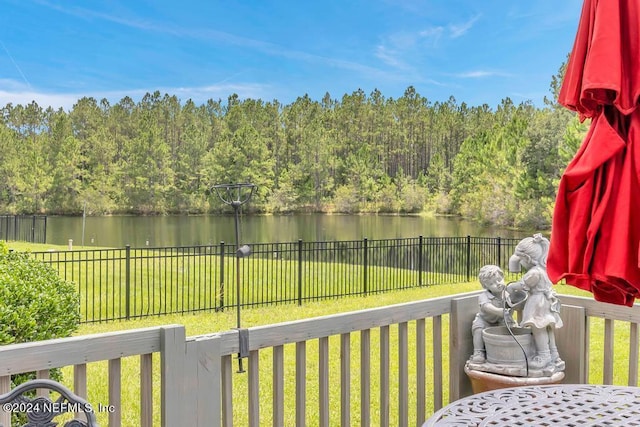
x=210 y=321
x=203 y=323
x=163 y=281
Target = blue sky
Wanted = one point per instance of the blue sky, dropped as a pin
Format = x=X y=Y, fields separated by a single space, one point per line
x=57 y=51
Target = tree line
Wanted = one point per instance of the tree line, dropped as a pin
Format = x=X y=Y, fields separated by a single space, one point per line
x=361 y=153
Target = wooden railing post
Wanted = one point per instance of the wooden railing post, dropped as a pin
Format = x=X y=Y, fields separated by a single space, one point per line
x=463 y=310
x=200 y=400
x=172 y=368
x=115 y=392
x=5 y=387
x=146 y=390
x=572 y=340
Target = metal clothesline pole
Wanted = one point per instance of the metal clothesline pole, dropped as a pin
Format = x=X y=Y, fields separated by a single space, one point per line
x=236 y=208
x=236 y=195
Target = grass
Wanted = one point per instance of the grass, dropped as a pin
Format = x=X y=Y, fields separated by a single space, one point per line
x=117 y=284
x=203 y=323
x=208 y=322
x=37 y=247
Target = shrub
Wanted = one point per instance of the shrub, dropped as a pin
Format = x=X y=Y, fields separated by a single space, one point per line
x=412 y=198
x=388 y=199
x=347 y=199
x=35 y=303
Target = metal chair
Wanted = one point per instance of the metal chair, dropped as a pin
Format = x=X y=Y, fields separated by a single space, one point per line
x=40 y=411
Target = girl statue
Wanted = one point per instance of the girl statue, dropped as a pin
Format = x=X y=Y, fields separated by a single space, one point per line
x=541 y=311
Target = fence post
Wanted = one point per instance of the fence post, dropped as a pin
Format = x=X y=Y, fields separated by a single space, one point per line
x=221 y=275
x=15 y=227
x=299 y=272
x=44 y=239
x=499 y=250
x=33 y=229
x=468 y=258
x=420 y=255
x=365 y=261
x=172 y=375
x=127 y=281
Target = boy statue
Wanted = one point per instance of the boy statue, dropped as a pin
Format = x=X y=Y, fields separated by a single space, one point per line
x=492 y=309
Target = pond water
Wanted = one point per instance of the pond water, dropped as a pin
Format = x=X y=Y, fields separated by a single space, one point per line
x=138 y=231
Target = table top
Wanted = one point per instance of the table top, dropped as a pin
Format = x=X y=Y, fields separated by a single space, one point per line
x=577 y=405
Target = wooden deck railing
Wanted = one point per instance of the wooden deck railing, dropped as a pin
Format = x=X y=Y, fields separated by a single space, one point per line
x=392 y=365
x=79 y=351
x=402 y=328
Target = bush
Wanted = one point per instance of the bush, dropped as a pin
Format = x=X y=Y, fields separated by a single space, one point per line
x=412 y=198
x=35 y=303
x=387 y=199
x=347 y=199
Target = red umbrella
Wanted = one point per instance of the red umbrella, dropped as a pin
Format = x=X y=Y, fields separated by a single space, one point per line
x=595 y=236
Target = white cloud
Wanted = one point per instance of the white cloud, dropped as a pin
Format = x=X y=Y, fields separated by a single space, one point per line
x=432 y=34
x=477 y=74
x=458 y=30
x=44 y=100
x=402 y=41
x=390 y=57
x=401 y=49
x=17 y=93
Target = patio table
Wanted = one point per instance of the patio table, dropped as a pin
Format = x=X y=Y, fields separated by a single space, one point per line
x=544 y=405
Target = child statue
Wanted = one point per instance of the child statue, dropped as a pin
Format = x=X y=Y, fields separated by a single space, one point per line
x=492 y=309
x=541 y=311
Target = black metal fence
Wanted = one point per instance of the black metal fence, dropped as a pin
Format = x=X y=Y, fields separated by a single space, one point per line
x=27 y=228
x=130 y=282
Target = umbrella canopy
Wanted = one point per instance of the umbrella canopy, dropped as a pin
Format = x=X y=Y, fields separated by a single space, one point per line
x=595 y=235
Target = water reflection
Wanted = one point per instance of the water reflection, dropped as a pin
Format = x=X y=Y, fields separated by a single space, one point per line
x=117 y=231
